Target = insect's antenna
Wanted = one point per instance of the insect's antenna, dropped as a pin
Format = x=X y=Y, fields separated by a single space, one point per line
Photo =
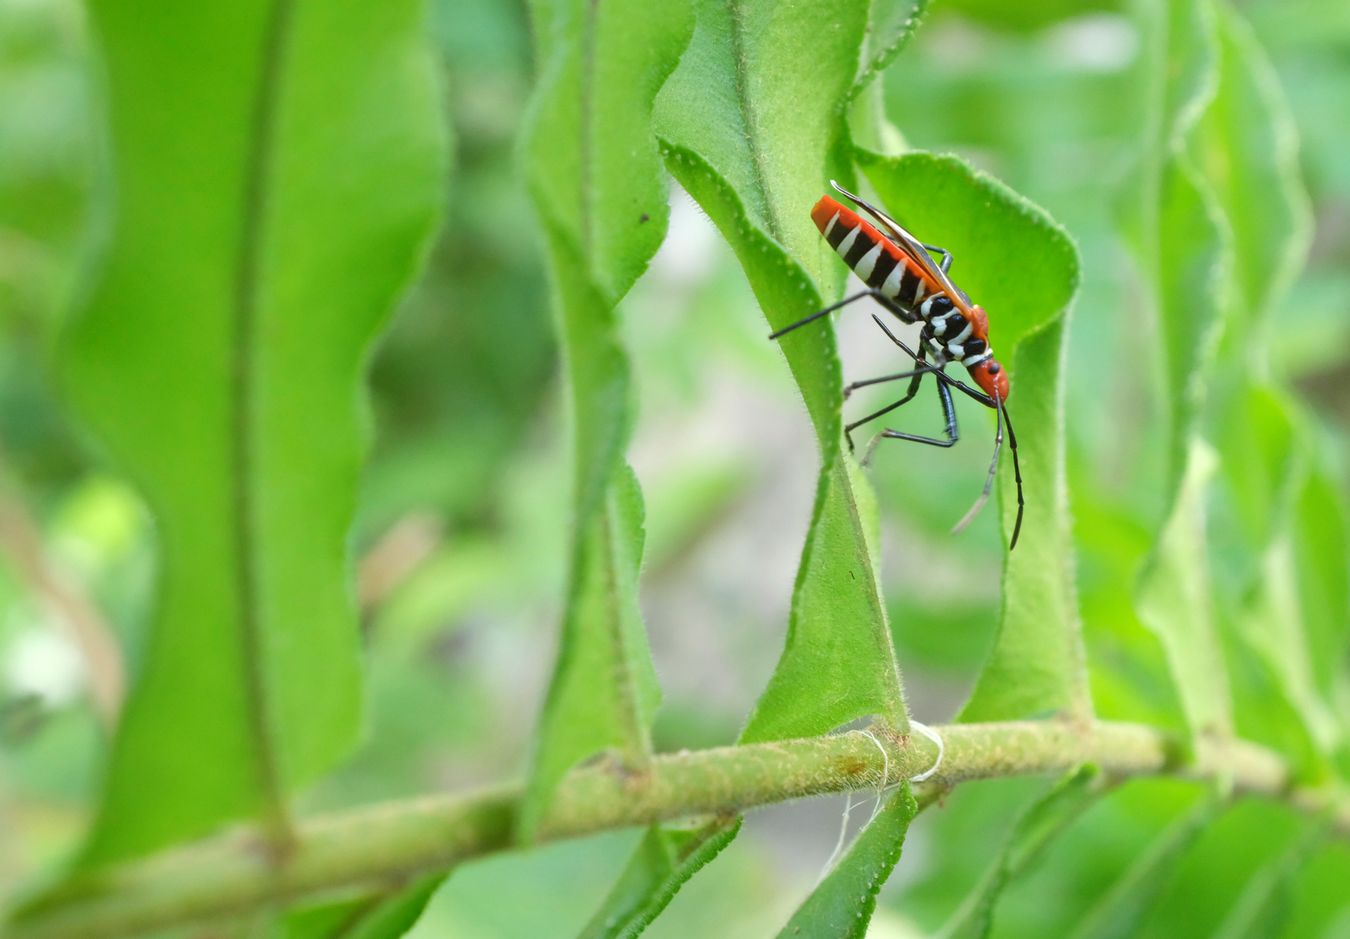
x=993 y=468
x=1017 y=475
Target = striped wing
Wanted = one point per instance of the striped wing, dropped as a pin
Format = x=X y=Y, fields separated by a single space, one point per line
x=910 y=246
x=873 y=255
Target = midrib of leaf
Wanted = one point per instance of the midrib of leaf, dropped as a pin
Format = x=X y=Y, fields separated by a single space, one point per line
x=634 y=729
x=752 y=134
x=243 y=457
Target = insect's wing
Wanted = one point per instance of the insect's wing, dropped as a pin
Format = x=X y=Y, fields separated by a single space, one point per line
x=907 y=243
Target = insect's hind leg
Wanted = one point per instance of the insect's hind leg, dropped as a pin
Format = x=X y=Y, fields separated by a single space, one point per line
x=951 y=430
x=946 y=262
x=915 y=377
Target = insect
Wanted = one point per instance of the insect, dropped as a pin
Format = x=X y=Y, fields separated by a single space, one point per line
x=902 y=276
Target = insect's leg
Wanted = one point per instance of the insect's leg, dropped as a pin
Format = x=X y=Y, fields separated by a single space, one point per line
x=989 y=477
x=870 y=292
x=951 y=430
x=913 y=373
x=1003 y=420
x=1017 y=475
x=946 y=262
x=915 y=377
x=916 y=356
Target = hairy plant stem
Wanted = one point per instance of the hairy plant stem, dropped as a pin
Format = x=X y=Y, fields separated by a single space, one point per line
x=376 y=847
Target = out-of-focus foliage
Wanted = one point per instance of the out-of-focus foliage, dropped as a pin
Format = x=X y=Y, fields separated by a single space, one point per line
x=462 y=545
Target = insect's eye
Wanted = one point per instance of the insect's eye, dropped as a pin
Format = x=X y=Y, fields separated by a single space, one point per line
x=994 y=368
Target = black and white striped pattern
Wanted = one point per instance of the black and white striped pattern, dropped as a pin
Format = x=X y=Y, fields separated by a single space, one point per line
x=946 y=331
x=875 y=266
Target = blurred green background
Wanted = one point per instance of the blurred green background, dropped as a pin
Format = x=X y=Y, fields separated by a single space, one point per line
x=462 y=517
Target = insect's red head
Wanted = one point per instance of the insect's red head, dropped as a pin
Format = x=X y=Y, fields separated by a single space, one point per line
x=992 y=379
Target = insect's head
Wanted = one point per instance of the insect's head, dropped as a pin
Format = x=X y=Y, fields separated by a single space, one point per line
x=992 y=378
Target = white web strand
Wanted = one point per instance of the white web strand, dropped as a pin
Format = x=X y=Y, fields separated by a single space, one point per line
x=849 y=805
x=937 y=741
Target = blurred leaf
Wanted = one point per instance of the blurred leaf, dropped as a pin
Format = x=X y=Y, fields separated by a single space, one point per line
x=664 y=860
x=1172 y=598
x=1120 y=913
x=1321 y=545
x=1256 y=433
x=1265 y=903
x=270 y=209
x=841 y=905
x=753 y=143
x=1027 y=16
x=1247 y=147
x=1170 y=216
x=595 y=176
x=1037 y=827
x=1272 y=623
x=1011 y=255
x=380 y=916
x=1211 y=876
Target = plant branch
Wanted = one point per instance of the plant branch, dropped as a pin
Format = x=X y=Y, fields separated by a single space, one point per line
x=375 y=847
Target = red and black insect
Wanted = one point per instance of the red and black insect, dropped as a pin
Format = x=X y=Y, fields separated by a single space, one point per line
x=902 y=276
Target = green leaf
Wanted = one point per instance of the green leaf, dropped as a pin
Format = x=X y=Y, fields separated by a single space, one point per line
x=604 y=690
x=1247 y=147
x=1266 y=902
x=1172 y=219
x=1009 y=255
x=665 y=859
x=754 y=143
x=1173 y=600
x=890 y=25
x=1044 y=820
x=1256 y=432
x=596 y=178
x=1272 y=624
x=842 y=904
x=270 y=208
x=1321 y=544
x=380 y=916
x=1120 y=913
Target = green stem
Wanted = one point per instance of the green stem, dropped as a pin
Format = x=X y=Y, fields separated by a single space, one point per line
x=372 y=848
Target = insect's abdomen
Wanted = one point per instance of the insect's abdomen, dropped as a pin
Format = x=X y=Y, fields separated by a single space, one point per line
x=876 y=261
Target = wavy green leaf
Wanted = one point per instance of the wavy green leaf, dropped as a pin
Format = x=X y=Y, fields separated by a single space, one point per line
x=595 y=176
x=1120 y=912
x=890 y=25
x=1171 y=218
x=754 y=142
x=1173 y=600
x=1183 y=246
x=662 y=863
x=1011 y=257
x=842 y=904
x=1320 y=532
x=1037 y=827
x=1266 y=902
x=1246 y=145
x=379 y=916
x=269 y=209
